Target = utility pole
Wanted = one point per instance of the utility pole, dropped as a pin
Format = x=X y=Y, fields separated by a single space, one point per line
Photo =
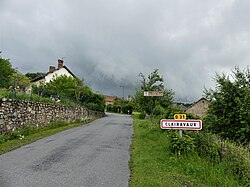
x=122 y=91
x=122 y=97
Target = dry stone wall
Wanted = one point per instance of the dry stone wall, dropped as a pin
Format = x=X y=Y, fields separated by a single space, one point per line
x=16 y=114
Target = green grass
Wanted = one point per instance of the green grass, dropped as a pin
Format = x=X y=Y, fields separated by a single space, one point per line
x=153 y=164
x=37 y=134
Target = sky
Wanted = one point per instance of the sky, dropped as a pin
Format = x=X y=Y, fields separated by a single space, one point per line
x=109 y=42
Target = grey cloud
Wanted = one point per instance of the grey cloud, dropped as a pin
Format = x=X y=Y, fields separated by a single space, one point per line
x=109 y=42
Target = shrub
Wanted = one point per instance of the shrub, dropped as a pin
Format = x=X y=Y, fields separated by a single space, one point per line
x=158 y=110
x=184 y=145
x=208 y=145
x=127 y=108
x=142 y=115
x=236 y=159
x=116 y=108
x=15 y=135
x=29 y=130
x=3 y=139
x=56 y=124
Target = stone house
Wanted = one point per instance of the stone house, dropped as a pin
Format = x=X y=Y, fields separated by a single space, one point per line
x=52 y=74
x=199 y=108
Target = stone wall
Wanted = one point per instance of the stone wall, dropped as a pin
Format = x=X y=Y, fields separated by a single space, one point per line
x=16 y=114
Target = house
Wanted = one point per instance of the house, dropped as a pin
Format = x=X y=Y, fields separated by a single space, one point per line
x=199 y=108
x=182 y=106
x=53 y=73
x=109 y=100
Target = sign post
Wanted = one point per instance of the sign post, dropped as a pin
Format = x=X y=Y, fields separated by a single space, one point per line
x=189 y=124
x=180 y=116
x=152 y=94
x=181 y=124
x=180 y=132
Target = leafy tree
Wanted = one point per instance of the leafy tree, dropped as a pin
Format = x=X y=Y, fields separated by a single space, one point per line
x=6 y=71
x=70 y=88
x=229 y=109
x=65 y=86
x=34 y=75
x=95 y=102
x=153 y=82
x=20 y=80
x=121 y=106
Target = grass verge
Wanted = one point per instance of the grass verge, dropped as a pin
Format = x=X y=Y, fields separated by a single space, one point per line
x=37 y=134
x=153 y=164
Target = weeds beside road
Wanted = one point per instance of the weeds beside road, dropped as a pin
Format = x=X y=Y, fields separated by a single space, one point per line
x=153 y=163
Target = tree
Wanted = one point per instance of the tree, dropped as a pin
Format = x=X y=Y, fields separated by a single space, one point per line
x=34 y=75
x=153 y=82
x=65 y=87
x=71 y=88
x=229 y=109
x=20 y=80
x=6 y=71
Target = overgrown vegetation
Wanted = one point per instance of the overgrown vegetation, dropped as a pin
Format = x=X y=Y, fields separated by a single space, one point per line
x=6 y=72
x=65 y=90
x=153 y=82
x=208 y=158
x=71 y=89
x=121 y=106
x=161 y=158
x=229 y=109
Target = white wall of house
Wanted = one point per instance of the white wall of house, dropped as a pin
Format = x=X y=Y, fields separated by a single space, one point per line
x=57 y=73
x=39 y=82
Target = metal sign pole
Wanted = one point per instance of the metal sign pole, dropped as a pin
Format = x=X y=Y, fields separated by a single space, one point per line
x=180 y=133
x=150 y=108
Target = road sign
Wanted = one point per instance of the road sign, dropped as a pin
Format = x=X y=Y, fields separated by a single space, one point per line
x=153 y=93
x=180 y=116
x=181 y=124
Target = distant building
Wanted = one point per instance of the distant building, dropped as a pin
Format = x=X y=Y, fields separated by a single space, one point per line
x=199 y=108
x=53 y=74
x=109 y=100
x=182 y=106
x=129 y=98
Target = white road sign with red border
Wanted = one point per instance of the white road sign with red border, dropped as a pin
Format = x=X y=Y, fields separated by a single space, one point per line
x=181 y=124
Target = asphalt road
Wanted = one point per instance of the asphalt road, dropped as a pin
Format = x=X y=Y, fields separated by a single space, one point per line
x=95 y=155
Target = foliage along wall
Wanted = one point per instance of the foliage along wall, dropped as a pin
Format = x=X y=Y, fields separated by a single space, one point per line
x=16 y=114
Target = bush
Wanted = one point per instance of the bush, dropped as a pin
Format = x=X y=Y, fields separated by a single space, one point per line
x=116 y=109
x=3 y=139
x=169 y=114
x=236 y=159
x=127 y=108
x=142 y=115
x=15 y=135
x=56 y=124
x=208 y=145
x=29 y=130
x=95 y=107
x=228 y=114
x=158 y=110
x=180 y=146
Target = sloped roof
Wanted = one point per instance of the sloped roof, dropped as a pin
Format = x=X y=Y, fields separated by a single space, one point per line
x=41 y=77
x=196 y=102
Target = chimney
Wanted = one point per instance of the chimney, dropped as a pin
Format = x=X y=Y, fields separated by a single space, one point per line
x=60 y=63
x=52 y=69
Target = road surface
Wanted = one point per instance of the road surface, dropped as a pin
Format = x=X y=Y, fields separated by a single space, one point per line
x=96 y=154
